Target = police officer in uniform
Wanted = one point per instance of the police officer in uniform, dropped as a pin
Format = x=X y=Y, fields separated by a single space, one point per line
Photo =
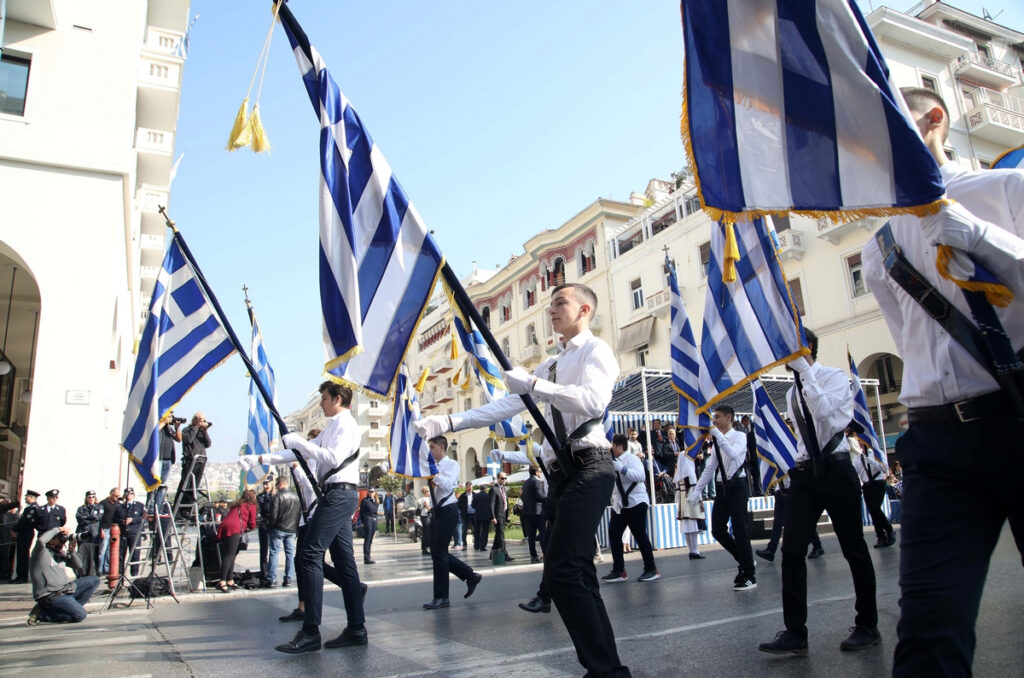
x=129 y=516
x=89 y=516
x=336 y=451
x=24 y=531
x=51 y=514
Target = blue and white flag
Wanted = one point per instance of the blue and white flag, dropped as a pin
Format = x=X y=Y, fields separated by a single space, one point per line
x=685 y=368
x=1012 y=159
x=261 y=424
x=486 y=369
x=181 y=49
x=751 y=324
x=788 y=107
x=776 y=445
x=378 y=264
x=183 y=340
x=862 y=417
x=409 y=454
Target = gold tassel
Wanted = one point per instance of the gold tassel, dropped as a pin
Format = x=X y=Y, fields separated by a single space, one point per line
x=996 y=294
x=730 y=254
x=260 y=143
x=465 y=382
x=455 y=377
x=422 y=381
x=454 y=355
x=240 y=135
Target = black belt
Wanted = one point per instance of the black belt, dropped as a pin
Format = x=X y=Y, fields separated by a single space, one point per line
x=994 y=404
x=838 y=458
x=345 y=486
x=577 y=456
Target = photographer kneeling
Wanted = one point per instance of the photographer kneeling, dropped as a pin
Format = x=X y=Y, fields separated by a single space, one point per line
x=59 y=598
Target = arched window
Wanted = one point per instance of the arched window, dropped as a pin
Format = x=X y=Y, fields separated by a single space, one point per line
x=485 y=313
x=556 y=276
x=585 y=259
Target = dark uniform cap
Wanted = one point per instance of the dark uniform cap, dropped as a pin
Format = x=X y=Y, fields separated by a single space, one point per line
x=52 y=493
x=31 y=493
x=90 y=493
x=129 y=490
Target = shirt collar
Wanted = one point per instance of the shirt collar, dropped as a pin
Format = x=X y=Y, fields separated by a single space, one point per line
x=576 y=341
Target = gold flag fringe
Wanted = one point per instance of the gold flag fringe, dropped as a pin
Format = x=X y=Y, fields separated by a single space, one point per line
x=996 y=294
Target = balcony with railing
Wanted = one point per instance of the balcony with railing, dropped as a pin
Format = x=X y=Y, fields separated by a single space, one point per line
x=835 y=232
x=985 y=70
x=996 y=117
x=791 y=244
x=442 y=365
x=377 y=433
x=530 y=355
x=659 y=303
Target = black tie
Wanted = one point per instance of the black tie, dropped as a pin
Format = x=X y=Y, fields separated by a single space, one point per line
x=556 y=416
x=805 y=422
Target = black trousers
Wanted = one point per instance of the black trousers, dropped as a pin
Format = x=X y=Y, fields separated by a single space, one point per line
x=128 y=540
x=961 y=482
x=228 y=550
x=188 y=497
x=838 y=492
x=481 y=532
x=499 y=536
x=874 y=493
x=389 y=522
x=330 y=529
x=23 y=546
x=444 y=521
x=550 y=511
x=731 y=505
x=779 y=519
x=264 y=535
x=569 y=572
x=635 y=518
x=369 y=532
x=330 y=574
x=534 y=529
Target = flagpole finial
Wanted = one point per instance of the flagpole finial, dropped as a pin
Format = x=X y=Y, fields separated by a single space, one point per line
x=167 y=218
x=245 y=291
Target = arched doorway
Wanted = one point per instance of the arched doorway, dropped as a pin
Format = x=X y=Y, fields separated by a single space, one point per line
x=19 y=315
x=887 y=369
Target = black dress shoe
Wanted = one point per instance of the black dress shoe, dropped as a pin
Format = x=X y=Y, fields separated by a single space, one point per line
x=535 y=605
x=883 y=542
x=471 y=583
x=534 y=560
x=696 y=556
x=786 y=642
x=436 y=604
x=348 y=638
x=861 y=639
x=508 y=558
x=294 y=615
x=301 y=643
x=766 y=554
x=369 y=562
x=286 y=582
x=815 y=554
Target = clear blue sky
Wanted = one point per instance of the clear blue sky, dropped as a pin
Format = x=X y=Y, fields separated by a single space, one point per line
x=499 y=120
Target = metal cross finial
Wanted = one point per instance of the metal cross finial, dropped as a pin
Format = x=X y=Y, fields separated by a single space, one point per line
x=245 y=291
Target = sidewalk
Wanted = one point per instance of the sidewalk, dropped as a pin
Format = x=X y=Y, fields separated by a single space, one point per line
x=396 y=560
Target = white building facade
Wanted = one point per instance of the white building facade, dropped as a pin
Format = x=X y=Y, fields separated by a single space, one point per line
x=88 y=114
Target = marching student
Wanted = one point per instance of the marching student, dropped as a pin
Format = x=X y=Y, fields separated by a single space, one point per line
x=629 y=510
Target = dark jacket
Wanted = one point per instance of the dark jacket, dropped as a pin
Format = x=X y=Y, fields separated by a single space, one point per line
x=48 y=570
x=109 y=512
x=463 y=503
x=482 y=507
x=194 y=441
x=88 y=518
x=284 y=512
x=495 y=502
x=263 y=502
x=27 y=521
x=533 y=497
x=48 y=518
x=134 y=510
x=368 y=508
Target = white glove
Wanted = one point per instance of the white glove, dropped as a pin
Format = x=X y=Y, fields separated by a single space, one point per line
x=249 y=462
x=693 y=497
x=799 y=365
x=617 y=465
x=496 y=456
x=291 y=441
x=519 y=381
x=432 y=426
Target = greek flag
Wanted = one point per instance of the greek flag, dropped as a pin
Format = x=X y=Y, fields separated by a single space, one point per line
x=776 y=445
x=788 y=107
x=261 y=424
x=181 y=49
x=1012 y=159
x=183 y=340
x=409 y=454
x=751 y=324
x=378 y=264
x=486 y=369
x=862 y=417
x=685 y=367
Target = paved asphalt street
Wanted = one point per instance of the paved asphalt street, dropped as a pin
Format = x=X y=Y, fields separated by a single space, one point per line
x=689 y=623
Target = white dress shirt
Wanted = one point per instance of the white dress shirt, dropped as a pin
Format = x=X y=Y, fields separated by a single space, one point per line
x=686 y=469
x=629 y=469
x=869 y=469
x=587 y=370
x=936 y=369
x=828 y=396
x=338 y=440
x=446 y=480
x=733 y=446
x=309 y=499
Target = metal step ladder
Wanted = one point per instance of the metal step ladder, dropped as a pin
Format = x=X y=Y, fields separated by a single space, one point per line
x=190 y=521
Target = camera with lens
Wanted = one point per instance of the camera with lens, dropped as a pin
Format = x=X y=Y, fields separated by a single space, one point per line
x=177 y=421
